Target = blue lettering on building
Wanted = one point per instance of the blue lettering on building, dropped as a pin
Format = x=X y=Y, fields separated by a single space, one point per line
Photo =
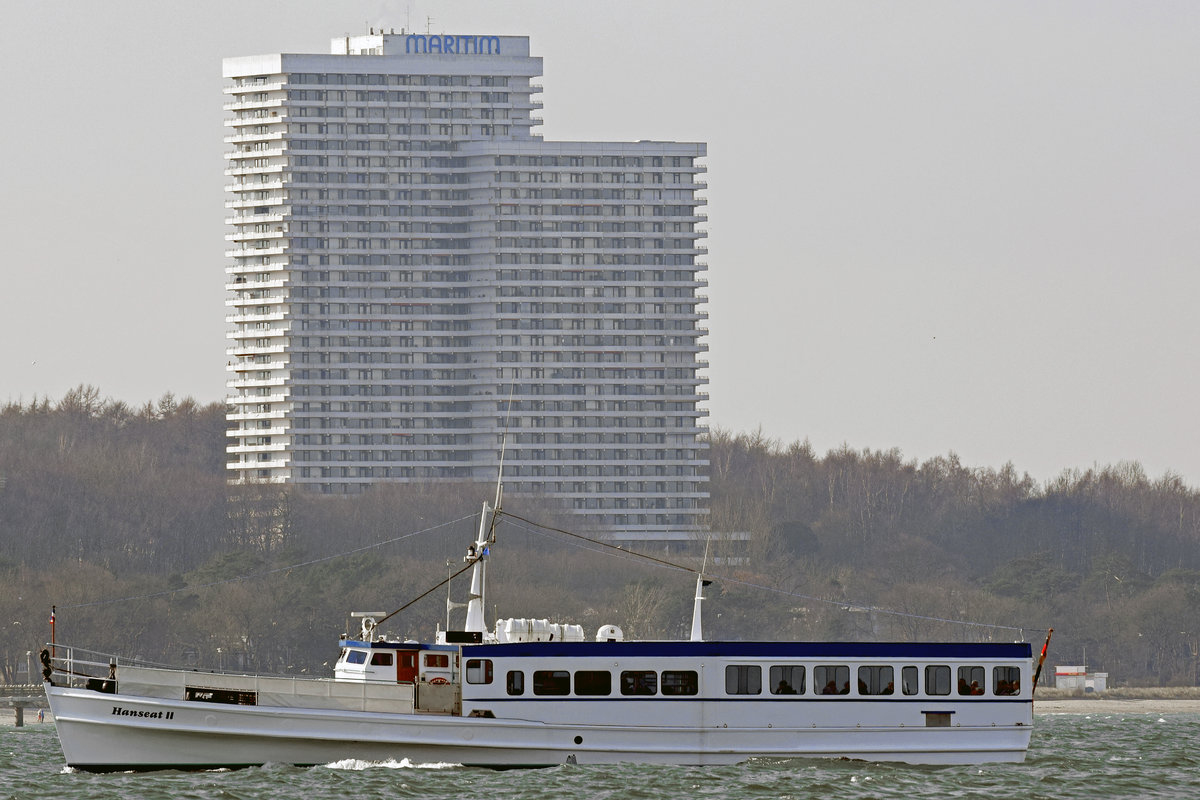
x=453 y=45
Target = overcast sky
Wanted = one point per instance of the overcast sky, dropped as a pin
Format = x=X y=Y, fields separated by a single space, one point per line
x=934 y=226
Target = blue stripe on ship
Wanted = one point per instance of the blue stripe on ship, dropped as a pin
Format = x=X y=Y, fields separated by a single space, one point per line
x=909 y=651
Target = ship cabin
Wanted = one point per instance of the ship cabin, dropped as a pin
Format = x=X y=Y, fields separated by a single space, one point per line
x=396 y=662
x=920 y=685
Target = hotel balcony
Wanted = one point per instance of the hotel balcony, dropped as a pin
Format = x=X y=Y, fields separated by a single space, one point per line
x=256 y=333
x=246 y=399
x=254 y=366
x=275 y=85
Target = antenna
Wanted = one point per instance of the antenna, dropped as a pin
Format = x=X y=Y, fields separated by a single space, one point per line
x=504 y=443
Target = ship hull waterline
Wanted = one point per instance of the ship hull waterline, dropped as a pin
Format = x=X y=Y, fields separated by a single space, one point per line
x=104 y=732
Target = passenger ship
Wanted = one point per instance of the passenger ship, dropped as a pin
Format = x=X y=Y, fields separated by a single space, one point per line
x=530 y=693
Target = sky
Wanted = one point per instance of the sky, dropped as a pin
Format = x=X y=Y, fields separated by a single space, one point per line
x=939 y=227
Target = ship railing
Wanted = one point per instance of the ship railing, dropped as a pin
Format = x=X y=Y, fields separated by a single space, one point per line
x=76 y=666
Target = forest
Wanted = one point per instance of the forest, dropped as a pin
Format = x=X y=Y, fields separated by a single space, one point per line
x=121 y=518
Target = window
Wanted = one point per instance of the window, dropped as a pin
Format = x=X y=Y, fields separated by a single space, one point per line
x=437 y=660
x=685 y=682
x=1006 y=680
x=516 y=682
x=970 y=680
x=743 y=679
x=937 y=680
x=356 y=657
x=788 y=679
x=639 y=683
x=479 y=670
x=876 y=680
x=908 y=680
x=381 y=659
x=590 y=682
x=553 y=682
x=832 y=679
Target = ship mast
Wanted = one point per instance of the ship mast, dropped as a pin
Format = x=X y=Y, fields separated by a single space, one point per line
x=697 y=624
x=480 y=550
x=478 y=553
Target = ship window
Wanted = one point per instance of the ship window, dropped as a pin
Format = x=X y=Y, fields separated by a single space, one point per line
x=356 y=657
x=684 y=682
x=516 y=682
x=937 y=680
x=381 y=659
x=437 y=660
x=479 y=670
x=832 y=679
x=638 y=682
x=787 y=679
x=970 y=680
x=908 y=679
x=551 y=682
x=1006 y=680
x=743 y=679
x=593 y=682
x=876 y=680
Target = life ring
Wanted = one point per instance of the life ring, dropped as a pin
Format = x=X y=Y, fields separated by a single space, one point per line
x=438 y=681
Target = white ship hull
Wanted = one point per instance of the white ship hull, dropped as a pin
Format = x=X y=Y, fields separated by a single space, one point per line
x=105 y=732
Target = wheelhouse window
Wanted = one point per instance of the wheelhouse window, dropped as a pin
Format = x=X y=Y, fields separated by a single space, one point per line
x=743 y=679
x=381 y=659
x=515 y=684
x=479 y=670
x=787 y=679
x=552 y=682
x=437 y=660
x=683 y=682
x=970 y=680
x=908 y=680
x=832 y=679
x=638 y=682
x=1006 y=680
x=876 y=680
x=593 y=682
x=937 y=679
x=356 y=657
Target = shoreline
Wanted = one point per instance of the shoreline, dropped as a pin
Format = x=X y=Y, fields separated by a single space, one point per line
x=1116 y=705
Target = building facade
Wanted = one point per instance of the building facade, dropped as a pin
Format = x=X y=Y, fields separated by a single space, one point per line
x=414 y=272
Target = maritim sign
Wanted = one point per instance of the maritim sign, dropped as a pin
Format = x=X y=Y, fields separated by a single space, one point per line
x=452 y=45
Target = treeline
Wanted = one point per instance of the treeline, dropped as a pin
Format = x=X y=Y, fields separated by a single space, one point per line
x=103 y=502
x=1109 y=557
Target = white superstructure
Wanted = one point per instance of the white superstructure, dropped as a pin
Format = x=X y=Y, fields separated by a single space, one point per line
x=406 y=252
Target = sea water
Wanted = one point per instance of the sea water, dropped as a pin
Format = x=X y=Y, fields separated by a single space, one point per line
x=1072 y=756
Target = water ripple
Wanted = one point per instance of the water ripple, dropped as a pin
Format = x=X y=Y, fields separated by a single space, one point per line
x=1147 y=756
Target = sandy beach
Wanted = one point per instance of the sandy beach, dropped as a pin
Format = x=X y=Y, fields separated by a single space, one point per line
x=1116 y=705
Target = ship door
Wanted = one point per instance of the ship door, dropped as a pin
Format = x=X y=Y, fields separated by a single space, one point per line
x=406 y=666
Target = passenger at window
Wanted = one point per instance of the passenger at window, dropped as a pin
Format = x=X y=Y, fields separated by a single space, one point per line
x=784 y=688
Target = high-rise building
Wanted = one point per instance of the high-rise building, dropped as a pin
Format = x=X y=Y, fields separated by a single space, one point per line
x=414 y=272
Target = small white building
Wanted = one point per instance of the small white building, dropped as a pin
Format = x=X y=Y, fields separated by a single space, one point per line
x=1077 y=677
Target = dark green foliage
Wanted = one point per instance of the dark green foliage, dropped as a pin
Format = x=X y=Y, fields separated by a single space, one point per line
x=102 y=502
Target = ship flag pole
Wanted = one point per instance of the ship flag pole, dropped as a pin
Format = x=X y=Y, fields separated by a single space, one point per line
x=1041 y=659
